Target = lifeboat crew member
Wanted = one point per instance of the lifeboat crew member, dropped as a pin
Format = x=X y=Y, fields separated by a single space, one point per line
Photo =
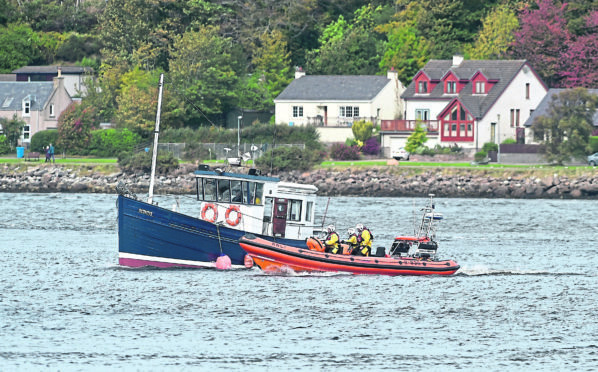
x=353 y=240
x=364 y=237
x=331 y=241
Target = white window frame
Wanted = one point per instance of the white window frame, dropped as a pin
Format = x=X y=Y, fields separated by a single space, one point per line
x=451 y=87
x=297 y=111
x=52 y=111
x=26 y=132
x=26 y=108
x=422 y=114
x=348 y=111
x=422 y=87
x=480 y=87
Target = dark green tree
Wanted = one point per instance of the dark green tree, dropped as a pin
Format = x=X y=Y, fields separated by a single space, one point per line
x=12 y=129
x=18 y=46
x=566 y=129
x=205 y=68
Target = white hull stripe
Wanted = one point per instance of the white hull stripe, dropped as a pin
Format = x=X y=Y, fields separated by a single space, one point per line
x=171 y=260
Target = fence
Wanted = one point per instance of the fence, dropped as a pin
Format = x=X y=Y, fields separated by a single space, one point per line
x=221 y=151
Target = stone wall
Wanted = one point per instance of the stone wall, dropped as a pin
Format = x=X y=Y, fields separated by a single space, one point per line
x=381 y=181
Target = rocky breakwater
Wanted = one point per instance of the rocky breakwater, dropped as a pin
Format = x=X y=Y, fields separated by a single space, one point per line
x=84 y=179
x=446 y=182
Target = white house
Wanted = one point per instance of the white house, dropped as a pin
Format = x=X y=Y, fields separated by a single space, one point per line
x=334 y=102
x=38 y=104
x=467 y=102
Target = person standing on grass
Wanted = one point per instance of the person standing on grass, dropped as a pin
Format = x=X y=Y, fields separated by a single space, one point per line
x=51 y=153
x=47 y=151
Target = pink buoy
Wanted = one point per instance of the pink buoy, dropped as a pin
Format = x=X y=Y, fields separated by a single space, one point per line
x=248 y=261
x=223 y=262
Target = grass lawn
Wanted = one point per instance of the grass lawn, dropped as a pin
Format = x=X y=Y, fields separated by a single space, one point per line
x=42 y=160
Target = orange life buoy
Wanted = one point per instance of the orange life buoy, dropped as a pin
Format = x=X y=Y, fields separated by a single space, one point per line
x=230 y=209
x=207 y=207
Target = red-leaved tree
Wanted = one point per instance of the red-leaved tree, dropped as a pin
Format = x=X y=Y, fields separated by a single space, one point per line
x=562 y=58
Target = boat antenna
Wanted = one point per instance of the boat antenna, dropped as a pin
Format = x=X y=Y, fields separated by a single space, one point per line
x=156 y=133
x=325 y=212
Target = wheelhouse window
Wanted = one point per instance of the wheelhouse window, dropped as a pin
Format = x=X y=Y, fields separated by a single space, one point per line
x=224 y=191
x=229 y=191
x=207 y=189
x=294 y=210
x=308 y=211
x=451 y=87
x=236 y=191
x=348 y=111
x=480 y=87
x=297 y=111
x=422 y=87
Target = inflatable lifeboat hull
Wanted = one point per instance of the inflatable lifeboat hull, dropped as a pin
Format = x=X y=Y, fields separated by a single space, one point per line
x=276 y=257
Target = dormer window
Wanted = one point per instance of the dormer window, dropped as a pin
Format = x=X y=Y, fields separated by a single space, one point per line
x=480 y=87
x=451 y=87
x=422 y=87
x=26 y=108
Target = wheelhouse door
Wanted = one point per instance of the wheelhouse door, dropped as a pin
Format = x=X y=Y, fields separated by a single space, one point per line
x=280 y=217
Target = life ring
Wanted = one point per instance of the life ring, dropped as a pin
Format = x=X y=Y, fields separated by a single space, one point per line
x=207 y=207
x=230 y=209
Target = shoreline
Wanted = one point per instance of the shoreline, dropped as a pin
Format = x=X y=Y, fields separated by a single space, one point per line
x=350 y=181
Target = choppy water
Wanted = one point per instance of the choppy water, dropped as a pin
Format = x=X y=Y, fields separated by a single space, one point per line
x=525 y=298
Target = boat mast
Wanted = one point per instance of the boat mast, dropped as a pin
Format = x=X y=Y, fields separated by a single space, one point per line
x=156 y=133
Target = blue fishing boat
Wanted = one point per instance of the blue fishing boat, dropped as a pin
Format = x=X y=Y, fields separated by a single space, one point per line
x=229 y=203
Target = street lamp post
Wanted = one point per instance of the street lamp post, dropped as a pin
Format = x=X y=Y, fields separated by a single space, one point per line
x=239 y=136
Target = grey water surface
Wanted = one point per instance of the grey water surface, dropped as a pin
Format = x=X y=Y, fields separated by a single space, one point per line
x=526 y=297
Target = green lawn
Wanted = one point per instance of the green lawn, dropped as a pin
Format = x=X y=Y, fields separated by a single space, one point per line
x=42 y=160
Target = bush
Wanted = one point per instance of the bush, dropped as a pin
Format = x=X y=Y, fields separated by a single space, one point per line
x=489 y=146
x=480 y=156
x=42 y=139
x=108 y=142
x=4 y=145
x=141 y=162
x=362 y=130
x=508 y=141
x=593 y=144
x=339 y=151
x=371 y=146
x=288 y=159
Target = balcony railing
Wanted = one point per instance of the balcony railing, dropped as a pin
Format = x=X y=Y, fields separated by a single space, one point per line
x=408 y=125
x=336 y=121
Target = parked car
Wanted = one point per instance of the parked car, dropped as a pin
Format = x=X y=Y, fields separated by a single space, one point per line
x=400 y=154
x=593 y=159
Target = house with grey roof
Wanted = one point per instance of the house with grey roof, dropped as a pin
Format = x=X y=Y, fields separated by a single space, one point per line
x=73 y=76
x=334 y=102
x=542 y=110
x=468 y=103
x=38 y=104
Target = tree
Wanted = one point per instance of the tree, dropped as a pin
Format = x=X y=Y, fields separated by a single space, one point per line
x=404 y=51
x=542 y=38
x=362 y=130
x=74 y=127
x=565 y=131
x=137 y=102
x=18 y=47
x=349 y=49
x=496 y=34
x=205 y=68
x=271 y=72
x=12 y=129
x=581 y=56
x=416 y=139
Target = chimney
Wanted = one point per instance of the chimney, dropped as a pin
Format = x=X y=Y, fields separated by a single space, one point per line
x=457 y=59
x=299 y=72
x=392 y=74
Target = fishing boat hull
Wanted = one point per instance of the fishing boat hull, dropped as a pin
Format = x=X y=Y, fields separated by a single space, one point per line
x=149 y=235
x=277 y=257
